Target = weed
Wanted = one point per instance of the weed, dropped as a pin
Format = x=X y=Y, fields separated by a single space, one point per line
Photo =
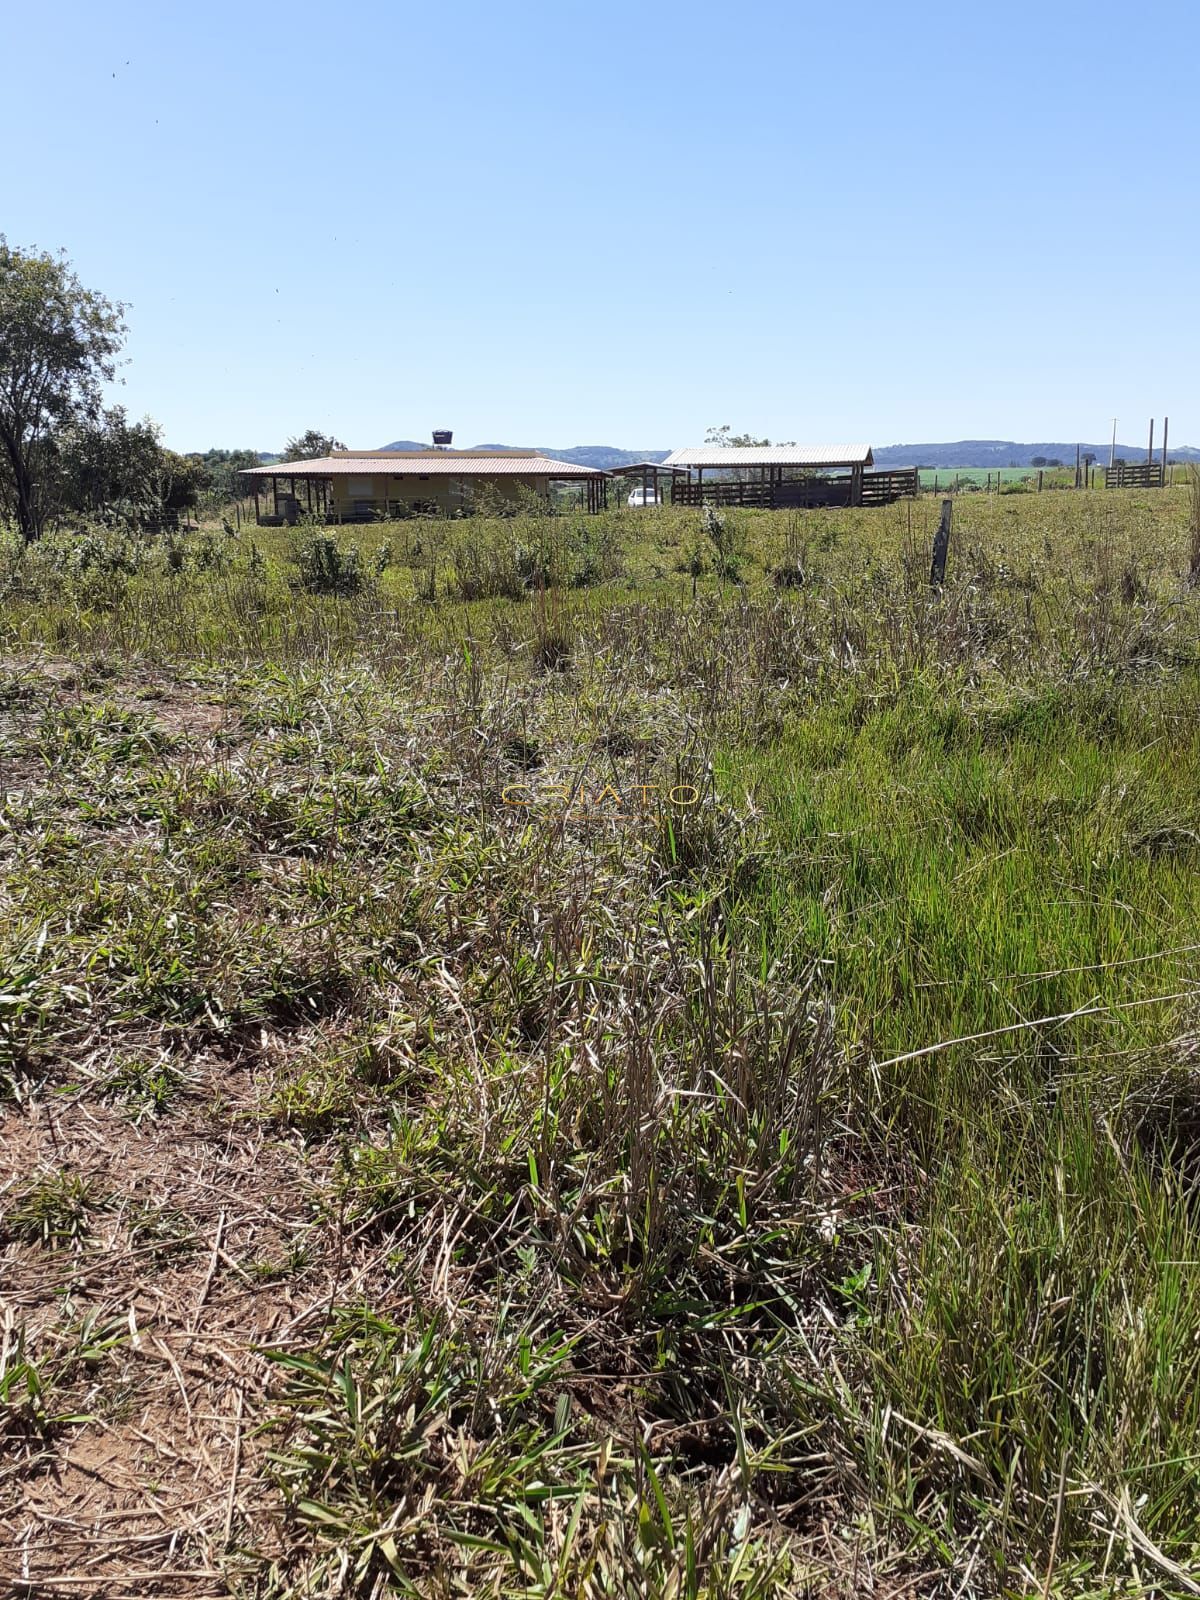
x=53 y=1209
x=163 y=1231
x=147 y=1085
x=26 y=1420
x=724 y=535
x=325 y=567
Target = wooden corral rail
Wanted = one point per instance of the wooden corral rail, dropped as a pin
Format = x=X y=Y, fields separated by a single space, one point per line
x=881 y=488
x=878 y=489
x=799 y=492
x=723 y=492
x=1134 y=475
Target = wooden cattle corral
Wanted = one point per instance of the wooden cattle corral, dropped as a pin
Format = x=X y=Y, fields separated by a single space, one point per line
x=785 y=476
x=863 y=489
x=1134 y=475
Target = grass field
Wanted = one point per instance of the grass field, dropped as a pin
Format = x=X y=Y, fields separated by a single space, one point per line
x=946 y=477
x=604 y=1057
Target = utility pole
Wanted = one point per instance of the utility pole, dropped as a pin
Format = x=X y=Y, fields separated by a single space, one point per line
x=1112 y=454
x=1150 y=446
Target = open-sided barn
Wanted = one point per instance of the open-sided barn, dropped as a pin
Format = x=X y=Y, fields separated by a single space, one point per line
x=784 y=475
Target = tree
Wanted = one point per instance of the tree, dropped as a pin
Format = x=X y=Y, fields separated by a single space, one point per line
x=118 y=470
x=311 y=446
x=726 y=440
x=176 y=483
x=101 y=465
x=58 y=343
x=219 y=470
x=1037 y=461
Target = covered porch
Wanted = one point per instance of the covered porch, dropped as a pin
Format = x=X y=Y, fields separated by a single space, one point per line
x=654 y=479
x=281 y=499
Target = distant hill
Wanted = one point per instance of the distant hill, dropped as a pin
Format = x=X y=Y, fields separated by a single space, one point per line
x=1008 y=453
x=582 y=455
x=961 y=453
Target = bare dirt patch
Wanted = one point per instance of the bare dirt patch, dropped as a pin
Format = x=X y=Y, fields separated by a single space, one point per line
x=147 y=1325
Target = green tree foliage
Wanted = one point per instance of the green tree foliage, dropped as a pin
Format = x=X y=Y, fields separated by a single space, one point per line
x=58 y=344
x=101 y=462
x=117 y=470
x=311 y=445
x=218 y=471
x=725 y=439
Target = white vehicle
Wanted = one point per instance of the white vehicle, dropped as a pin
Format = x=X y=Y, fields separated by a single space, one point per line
x=642 y=496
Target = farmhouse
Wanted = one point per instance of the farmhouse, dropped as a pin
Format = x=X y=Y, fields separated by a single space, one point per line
x=784 y=475
x=364 y=485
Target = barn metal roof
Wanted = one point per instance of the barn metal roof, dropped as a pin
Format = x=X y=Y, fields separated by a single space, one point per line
x=434 y=463
x=773 y=455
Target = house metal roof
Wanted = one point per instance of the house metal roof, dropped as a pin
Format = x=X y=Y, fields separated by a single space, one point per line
x=436 y=450
x=431 y=464
x=773 y=455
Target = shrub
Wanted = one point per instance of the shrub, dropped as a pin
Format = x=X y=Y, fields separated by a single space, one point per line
x=325 y=567
x=723 y=535
x=489 y=571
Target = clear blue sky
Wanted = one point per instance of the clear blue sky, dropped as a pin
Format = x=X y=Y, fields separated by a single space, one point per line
x=559 y=224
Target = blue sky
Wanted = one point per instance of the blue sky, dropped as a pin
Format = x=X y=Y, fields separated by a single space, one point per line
x=556 y=224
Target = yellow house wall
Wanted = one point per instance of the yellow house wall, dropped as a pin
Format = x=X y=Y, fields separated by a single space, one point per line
x=446 y=493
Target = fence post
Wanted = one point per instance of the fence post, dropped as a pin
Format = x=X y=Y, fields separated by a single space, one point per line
x=941 y=544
